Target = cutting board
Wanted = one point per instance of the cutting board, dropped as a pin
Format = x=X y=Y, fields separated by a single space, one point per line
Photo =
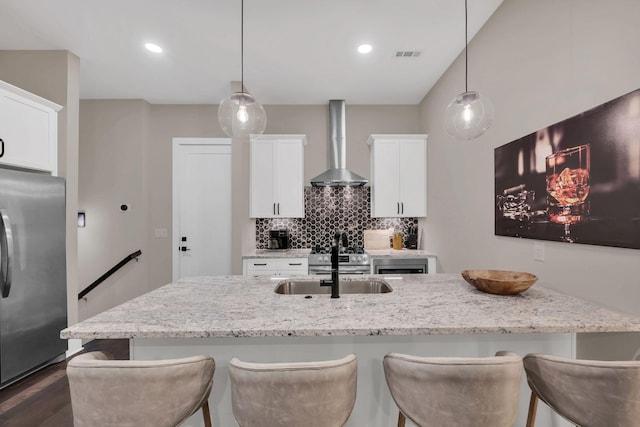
x=376 y=239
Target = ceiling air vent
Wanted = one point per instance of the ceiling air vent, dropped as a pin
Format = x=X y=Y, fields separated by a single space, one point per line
x=407 y=53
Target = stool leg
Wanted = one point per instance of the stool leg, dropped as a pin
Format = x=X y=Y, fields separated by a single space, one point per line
x=533 y=407
x=206 y=414
x=401 y=419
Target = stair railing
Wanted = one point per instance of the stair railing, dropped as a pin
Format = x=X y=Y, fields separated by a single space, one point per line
x=118 y=266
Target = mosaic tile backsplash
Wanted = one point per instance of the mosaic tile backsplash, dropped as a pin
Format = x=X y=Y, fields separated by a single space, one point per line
x=328 y=209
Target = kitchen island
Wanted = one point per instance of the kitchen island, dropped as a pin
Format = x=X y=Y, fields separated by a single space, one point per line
x=427 y=315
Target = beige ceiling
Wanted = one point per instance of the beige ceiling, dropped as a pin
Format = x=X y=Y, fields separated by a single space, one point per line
x=296 y=51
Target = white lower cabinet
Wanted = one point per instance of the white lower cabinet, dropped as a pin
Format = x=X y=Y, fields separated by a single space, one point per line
x=28 y=130
x=275 y=266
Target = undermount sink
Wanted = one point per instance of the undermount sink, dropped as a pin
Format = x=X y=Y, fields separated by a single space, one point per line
x=312 y=287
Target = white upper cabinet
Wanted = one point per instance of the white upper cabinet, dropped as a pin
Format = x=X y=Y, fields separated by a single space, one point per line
x=277 y=176
x=28 y=130
x=398 y=175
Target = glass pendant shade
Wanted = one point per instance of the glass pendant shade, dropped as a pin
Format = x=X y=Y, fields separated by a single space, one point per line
x=468 y=115
x=240 y=115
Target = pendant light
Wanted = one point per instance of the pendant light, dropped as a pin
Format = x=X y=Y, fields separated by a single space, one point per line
x=469 y=114
x=240 y=114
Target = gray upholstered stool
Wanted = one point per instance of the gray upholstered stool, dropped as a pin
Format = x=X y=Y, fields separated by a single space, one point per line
x=455 y=391
x=138 y=393
x=310 y=394
x=588 y=393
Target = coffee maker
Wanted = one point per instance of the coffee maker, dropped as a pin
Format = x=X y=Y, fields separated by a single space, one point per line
x=279 y=239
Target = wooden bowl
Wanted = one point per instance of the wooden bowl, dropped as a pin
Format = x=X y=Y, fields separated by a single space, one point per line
x=499 y=282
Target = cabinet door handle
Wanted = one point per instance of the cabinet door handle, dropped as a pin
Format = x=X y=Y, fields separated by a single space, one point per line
x=278 y=208
x=402 y=204
x=274 y=208
x=1 y=147
x=398 y=207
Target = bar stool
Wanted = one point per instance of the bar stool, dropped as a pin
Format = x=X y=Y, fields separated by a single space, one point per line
x=310 y=394
x=455 y=391
x=588 y=393
x=152 y=393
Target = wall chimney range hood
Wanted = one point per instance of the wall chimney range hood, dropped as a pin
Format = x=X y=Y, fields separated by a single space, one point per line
x=337 y=175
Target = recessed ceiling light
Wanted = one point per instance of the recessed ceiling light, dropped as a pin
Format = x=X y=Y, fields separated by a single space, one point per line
x=153 y=47
x=365 y=48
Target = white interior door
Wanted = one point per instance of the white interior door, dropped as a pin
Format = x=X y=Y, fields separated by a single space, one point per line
x=201 y=207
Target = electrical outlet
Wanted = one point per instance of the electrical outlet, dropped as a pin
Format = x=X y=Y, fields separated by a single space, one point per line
x=538 y=251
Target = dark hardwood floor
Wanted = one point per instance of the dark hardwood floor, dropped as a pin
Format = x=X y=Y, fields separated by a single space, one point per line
x=42 y=399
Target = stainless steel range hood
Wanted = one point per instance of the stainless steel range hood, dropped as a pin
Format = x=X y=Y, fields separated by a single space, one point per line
x=337 y=175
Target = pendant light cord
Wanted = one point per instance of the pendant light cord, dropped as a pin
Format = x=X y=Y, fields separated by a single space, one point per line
x=466 y=44
x=242 y=45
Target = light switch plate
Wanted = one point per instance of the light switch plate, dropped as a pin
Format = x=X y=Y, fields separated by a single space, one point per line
x=538 y=251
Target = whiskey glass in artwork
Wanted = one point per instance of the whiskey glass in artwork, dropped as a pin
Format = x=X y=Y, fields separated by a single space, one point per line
x=568 y=187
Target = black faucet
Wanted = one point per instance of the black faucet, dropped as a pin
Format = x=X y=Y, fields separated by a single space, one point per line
x=335 y=271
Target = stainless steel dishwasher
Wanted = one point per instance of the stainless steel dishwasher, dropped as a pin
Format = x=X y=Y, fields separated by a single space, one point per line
x=400 y=265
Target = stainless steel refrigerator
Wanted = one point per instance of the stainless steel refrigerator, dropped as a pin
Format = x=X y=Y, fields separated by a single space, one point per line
x=33 y=302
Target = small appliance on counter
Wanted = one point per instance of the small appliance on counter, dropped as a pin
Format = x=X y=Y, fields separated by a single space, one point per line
x=279 y=239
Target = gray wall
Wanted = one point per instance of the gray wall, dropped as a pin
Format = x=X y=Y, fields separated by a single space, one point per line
x=540 y=62
x=54 y=75
x=125 y=156
x=112 y=169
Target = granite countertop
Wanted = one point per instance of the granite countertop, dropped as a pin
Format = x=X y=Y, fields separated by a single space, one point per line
x=403 y=253
x=302 y=253
x=420 y=304
x=276 y=253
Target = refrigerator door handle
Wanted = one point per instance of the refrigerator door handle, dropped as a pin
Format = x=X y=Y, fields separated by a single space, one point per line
x=6 y=253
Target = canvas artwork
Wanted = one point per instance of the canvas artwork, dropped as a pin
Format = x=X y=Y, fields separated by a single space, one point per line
x=576 y=181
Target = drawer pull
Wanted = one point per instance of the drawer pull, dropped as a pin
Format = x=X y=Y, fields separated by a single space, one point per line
x=259 y=264
x=295 y=263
